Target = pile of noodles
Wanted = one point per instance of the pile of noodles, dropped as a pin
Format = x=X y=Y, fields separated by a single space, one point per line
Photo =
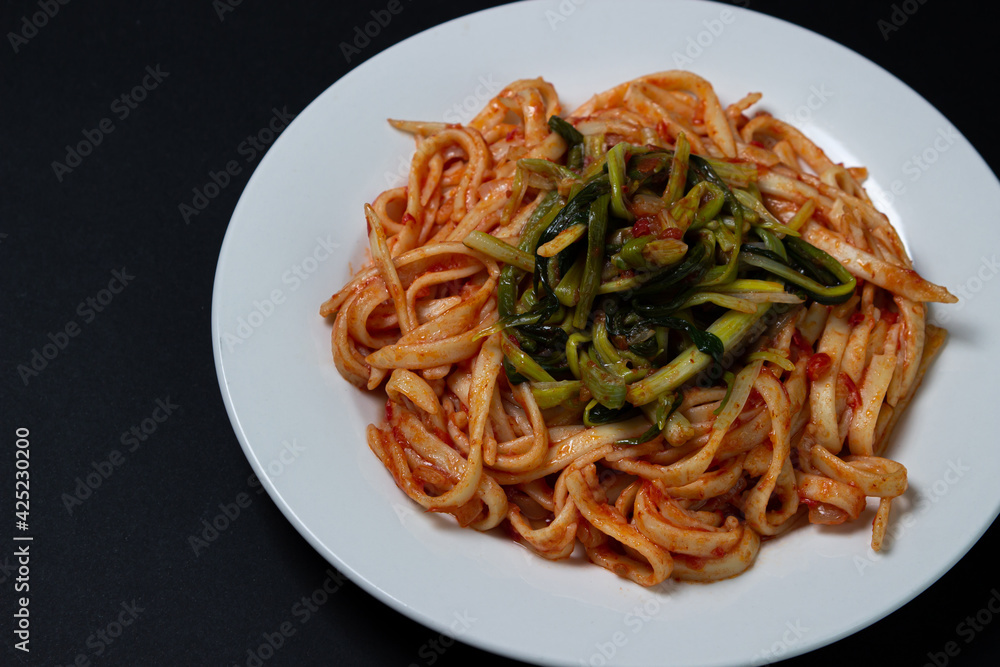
x=805 y=416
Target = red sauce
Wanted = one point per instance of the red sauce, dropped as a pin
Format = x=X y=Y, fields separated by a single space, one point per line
x=654 y=492
x=397 y=433
x=856 y=319
x=818 y=365
x=662 y=130
x=642 y=226
x=889 y=316
x=799 y=341
x=671 y=233
x=693 y=562
x=853 y=395
x=446 y=265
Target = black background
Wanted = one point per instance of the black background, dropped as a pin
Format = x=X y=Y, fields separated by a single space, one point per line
x=61 y=240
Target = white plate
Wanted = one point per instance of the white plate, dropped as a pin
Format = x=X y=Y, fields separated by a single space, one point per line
x=299 y=223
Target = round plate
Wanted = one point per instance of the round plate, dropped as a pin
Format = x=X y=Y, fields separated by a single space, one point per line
x=299 y=230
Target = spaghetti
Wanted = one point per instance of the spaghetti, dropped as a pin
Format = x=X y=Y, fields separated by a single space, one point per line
x=659 y=328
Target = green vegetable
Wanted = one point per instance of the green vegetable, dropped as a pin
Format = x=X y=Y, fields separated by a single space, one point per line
x=597 y=229
x=641 y=243
x=500 y=250
x=606 y=387
x=574 y=141
x=551 y=394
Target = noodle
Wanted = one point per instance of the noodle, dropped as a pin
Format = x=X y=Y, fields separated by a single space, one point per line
x=656 y=328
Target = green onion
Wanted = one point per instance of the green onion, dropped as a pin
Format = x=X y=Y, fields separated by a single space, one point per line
x=724 y=273
x=630 y=256
x=664 y=252
x=678 y=171
x=729 y=379
x=827 y=294
x=658 y=416
x=803 y=215
x=523 y=362
x=576 y=211
x=772 y=242
x=499 y=250
x=765 y=219
x=730 y=329
x=563 y=240
x=602 y=345
x=772 y=356
x=607 y=388
x=616 y=175
x=724 y=300
x=565 y=130
x=597 y=227
x=572 y=355
x=510 y=275
x=751 y=285
x=596 y=414
x=736 y=174
x=568 y=289
x=547 y=168
x=551 y=394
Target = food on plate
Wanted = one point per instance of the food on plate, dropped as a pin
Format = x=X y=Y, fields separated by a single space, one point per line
x=656 y=328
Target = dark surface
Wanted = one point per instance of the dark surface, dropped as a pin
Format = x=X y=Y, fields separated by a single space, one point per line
x=128 y=543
